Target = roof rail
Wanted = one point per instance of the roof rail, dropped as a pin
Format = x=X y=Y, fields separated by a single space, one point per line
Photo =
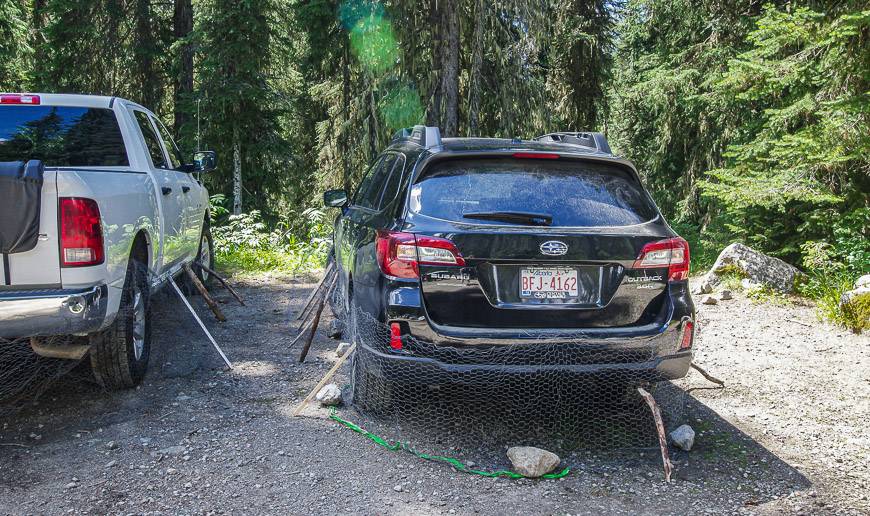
x=595 y=141
x=426 y=137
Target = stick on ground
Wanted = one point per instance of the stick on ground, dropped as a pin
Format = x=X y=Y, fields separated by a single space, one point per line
x=201 y=325
x=223 y=282
x=660 y=428
x=204 y=293
x=324 y=380
x=707 y=375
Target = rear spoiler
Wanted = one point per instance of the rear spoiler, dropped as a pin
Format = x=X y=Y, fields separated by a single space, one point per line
x=596 y=141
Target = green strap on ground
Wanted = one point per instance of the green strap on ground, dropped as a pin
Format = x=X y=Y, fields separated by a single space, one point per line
x=453 y=462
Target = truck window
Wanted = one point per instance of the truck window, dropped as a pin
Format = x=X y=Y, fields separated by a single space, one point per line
x=61 y=136
x=175 y=159
x=151 y=140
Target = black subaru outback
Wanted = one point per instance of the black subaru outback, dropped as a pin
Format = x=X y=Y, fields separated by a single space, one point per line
x=483 y=244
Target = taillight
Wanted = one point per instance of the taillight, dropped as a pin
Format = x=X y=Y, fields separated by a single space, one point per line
x=686 y=341
x=401 y=254
x=30 y=100
x=395 y=337
x=81 y=232
x=535 y=155
x=672 y=253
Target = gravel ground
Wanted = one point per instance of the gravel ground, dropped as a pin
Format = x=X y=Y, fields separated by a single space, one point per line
x=789 y=433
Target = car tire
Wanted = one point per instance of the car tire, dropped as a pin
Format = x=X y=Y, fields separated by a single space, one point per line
x=369 y=393
x=119 y=354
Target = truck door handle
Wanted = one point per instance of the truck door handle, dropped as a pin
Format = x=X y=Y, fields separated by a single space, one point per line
x=166 y=190
x=185 y=189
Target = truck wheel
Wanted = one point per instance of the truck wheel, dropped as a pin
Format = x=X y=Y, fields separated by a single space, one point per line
x=119 y=354
x=205 y=255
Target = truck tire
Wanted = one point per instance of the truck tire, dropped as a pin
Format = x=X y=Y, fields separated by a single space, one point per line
x=120 y=353
x=205 y=255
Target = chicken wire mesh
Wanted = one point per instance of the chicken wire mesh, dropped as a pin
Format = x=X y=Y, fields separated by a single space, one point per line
x=473 y=402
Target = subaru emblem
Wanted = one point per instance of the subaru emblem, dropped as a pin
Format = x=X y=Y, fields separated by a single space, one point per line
x=554 y=248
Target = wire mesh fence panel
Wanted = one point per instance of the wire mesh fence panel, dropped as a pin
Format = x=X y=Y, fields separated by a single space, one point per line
x=564 y=392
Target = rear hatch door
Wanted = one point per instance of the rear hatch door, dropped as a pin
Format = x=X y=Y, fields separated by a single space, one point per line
x=547 y=244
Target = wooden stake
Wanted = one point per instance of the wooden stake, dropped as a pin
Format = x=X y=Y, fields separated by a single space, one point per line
x=660 y=428
x=314 y=292
x=205 y=295
x=326 y=378
x=201 y=325
x=223 y=282
x=314 y=325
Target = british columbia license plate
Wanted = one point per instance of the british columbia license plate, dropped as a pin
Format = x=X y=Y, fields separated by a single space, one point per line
x=548 y=283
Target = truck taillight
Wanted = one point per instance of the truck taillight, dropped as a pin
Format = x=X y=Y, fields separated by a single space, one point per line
x=28 y=100
x=401 y=254
x=81 y=232
x=672 y=253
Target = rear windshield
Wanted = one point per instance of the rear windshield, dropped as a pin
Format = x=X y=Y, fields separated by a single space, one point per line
x=61 y=136
x=570 y=193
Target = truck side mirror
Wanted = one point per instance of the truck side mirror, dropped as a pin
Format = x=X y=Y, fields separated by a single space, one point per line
x=335 y=198
x=204 y=161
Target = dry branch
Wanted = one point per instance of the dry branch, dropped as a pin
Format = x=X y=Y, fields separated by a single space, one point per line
x=660 y=429
x=308 y=302
x=205 y=295
x=324 y=380
x=707 y=375
x=223 y=282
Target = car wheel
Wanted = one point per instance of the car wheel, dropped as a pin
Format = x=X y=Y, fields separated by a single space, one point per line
x=119 y=354
x=369 y=393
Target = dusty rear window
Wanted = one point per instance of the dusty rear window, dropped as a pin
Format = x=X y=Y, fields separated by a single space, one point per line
x=571 y=193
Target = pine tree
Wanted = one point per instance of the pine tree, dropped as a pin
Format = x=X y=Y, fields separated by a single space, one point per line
x=15 y=50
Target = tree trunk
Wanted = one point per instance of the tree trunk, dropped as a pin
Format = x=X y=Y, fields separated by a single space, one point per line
x=345 y=118
x=476 y=69
x=182 y=21
x=433 y=108
x=450 y=65
x=145 y=52
x=237 y=170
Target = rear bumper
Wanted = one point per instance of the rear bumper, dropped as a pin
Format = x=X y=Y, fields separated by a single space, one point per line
x=52 y=312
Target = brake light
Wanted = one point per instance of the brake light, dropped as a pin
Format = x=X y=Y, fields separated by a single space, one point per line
x=686 y=342
x=395 y=337
x=31 y=100
x=672 y=253
x=401 y=254
x=81 y=232
x=535 y=155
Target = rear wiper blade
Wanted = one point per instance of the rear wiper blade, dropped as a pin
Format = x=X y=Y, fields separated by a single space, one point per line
x=532 y=219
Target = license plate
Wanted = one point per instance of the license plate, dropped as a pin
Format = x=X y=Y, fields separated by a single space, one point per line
x=548 y=283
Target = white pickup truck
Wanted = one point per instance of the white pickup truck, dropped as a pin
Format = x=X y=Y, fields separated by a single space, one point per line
x=98 y=209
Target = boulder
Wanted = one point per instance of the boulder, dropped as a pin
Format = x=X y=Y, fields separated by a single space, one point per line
x=329 y=395
x=532 y=462
x=752 y=265
x=335 y=329
x=683 y=437
x=341 y=349
x=856 y=302
x=863 y=281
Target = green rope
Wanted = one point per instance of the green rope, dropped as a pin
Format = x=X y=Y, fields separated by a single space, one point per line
x=453 y=462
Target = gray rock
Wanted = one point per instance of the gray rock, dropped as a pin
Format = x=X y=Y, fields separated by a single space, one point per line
x=112 y=445
x=329 y=395
x=335 y=330
x=863 y=281
x=683 y=437
x=173 y=450
x=755 y=266
x=341 y=349
x=532 y=462
x=704 y=287
x=725 y=295
x=709 y=300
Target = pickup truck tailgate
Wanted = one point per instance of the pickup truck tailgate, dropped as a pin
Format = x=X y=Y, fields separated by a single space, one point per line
x=39 y=267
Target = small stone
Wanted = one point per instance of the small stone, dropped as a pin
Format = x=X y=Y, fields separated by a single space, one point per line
x=397 y=488
x=111 y=464
x=112 y=445
x=709 y=300
x=341 y=349
x=532 y=462
x=71 y=485
x=172 y=450
x=171 y=471
x=683 y=437
x=329 y=396
x=725 y=295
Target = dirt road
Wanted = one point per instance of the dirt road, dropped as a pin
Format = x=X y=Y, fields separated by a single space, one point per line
x=789 y=434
